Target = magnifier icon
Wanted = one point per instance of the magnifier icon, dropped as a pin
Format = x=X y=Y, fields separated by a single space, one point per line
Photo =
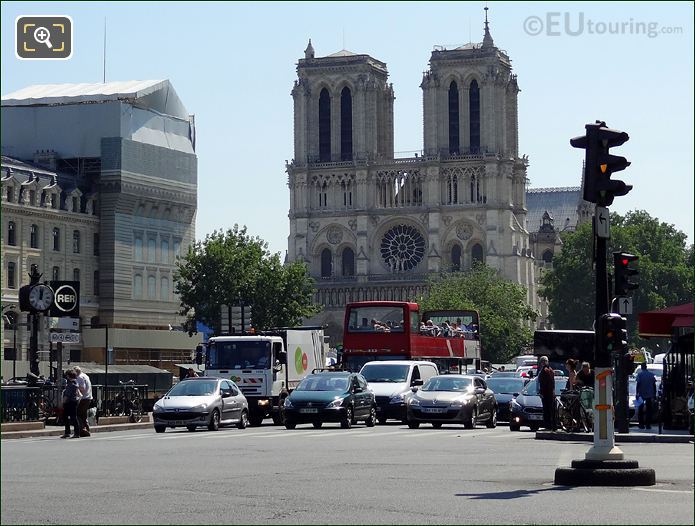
x=42 y=36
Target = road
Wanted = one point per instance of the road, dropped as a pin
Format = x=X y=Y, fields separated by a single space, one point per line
x=383 y=475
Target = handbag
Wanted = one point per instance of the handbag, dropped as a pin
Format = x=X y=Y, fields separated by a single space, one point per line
x=638 y=402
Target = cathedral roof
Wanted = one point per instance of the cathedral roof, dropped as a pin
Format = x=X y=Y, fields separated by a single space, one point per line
x=343 y=53
x=561 y=203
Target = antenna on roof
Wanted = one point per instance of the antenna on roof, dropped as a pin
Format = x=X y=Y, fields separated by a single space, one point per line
x=104 y=65
x=343 y=38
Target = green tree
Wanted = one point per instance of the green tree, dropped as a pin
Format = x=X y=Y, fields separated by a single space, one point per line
x=504 y=312
x=232 y=267
x=665 y=270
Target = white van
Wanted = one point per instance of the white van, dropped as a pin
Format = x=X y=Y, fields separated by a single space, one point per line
x=391 y=380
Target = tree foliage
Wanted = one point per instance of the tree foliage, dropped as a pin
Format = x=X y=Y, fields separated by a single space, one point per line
x=665 y=270
x=232 y=267
x=504 y=311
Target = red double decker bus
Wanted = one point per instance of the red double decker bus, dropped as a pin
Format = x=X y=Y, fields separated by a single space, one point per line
x=396 y=330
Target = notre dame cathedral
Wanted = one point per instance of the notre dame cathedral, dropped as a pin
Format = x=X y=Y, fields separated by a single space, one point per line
x=371 y=226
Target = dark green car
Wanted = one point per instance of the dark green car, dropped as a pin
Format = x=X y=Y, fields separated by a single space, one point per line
x=330 y=397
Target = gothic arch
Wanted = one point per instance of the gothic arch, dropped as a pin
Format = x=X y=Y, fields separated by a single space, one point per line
x=454 y=116
x=477 y=251
x=346 y=123
x=324 y=121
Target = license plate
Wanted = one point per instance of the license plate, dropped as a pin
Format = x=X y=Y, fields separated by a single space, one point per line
x=309 y=410
x=535 y=417
x=179 y=422
x=433 y=410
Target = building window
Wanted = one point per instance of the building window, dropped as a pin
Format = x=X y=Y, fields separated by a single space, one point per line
x=11 y=275
x=548 y=256
x=138 y=249
x=56 y=239
x=75 y=204
x=54 y=201
x=474 y=115
x=177 y=248
x=151 y=250
x=151 y=287
x=75 y=241
x=348 y=262
x=56 y=273
x=453 y=119
x=34 y=236
x=326 y=263
x=346 y=125
x=10 y=194
x=95 y=284
x=76 y=274
x=137 y=286
x=96 y=243
x=164 y=289
x=477 y=253
x=324 y=126
x=32 y=197
x=456 y=258
x=164 y=256
x=11 y=234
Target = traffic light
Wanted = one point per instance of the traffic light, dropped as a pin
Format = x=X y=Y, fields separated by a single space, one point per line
x=624 y=269
x=599 y=164
x=611 y=337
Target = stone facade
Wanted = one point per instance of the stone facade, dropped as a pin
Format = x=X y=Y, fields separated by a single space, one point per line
x=374 y=227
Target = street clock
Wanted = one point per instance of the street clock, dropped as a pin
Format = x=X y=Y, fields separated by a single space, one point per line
x=40 y=297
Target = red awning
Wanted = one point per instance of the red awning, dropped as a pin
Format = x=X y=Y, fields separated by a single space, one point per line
x=662 y=322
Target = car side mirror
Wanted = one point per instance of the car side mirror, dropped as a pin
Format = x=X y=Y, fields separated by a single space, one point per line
x=226 y=394
x=414 y=389
x=416 y=382
x=515 y=394
x=282 y=356
x=479 y=390
x=277 y=367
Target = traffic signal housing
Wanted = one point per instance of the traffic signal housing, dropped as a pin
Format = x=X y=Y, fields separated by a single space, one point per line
x=599 y=164
x=611 y=337
x=624 y=267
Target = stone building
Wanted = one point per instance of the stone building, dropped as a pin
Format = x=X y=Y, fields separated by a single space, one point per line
x=372 y=226
x=99 y=185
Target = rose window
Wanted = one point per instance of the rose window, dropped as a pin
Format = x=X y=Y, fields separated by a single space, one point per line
x=402 y=248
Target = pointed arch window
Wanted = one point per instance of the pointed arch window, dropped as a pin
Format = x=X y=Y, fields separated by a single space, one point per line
x=453 y=119
x=548 y=257
x=326 y=263
x=324 y=126
x=474 y=113
x=456 y=258
x=346 y=124
x=348 y=262
x=477 y=253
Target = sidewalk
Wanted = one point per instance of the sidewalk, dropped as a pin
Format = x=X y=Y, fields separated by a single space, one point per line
x=56 y=431
x=673 y=436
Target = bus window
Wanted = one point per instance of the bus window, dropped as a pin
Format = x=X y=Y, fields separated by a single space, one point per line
x=376 y=319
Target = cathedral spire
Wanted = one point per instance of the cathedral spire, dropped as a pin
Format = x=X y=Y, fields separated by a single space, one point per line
x=487 y=39
x=309 y=51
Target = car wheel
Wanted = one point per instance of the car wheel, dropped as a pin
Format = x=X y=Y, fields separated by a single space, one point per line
x=413 y=425
x=437 y=425
x=255 y=420
x=243 y=420
x=470 y=423
x=317 y=425
x=160 y=429
x=381 y=421
x=371 y=420
x=534 y=427
x=514 y=427
x=289 y=424
x=346 y=423
x=191 y=428
x=214 y=423
x=492 y=421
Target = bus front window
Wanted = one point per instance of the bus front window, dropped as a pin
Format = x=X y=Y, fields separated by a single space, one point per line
x=376 y=319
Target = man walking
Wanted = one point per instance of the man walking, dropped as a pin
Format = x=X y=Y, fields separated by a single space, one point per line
x=546 y=388
x=646 y=390
x=84 y=384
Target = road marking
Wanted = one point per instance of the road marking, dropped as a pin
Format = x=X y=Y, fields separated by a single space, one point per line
x=663 y=490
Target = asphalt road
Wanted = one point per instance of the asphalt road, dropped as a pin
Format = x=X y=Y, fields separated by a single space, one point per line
x=383 y=475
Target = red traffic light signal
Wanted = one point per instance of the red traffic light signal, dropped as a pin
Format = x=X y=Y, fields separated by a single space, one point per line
x=624 y=268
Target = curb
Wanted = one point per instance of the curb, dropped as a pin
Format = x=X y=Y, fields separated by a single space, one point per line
x=59 y=431
x=589 y=437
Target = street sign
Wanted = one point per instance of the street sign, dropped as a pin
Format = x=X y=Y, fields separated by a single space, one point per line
x=602 y=222
x=624 y=305
x=66 y=299
x=70 y=324
x=64 y=337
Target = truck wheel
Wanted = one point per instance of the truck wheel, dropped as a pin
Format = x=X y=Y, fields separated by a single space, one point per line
x=255 y=420
x=514 y=427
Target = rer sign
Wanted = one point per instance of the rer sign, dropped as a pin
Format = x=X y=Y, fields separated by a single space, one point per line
x=66 y=302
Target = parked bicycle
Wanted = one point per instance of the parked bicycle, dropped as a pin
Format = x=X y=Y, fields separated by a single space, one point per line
x=574 y=410
x=128 y=402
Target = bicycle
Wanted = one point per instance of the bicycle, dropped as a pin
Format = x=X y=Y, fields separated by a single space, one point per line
x=128 y=402
x=39 y=407
x=574 y=410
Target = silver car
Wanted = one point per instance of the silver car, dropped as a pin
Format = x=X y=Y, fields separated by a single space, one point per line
x=196 y=402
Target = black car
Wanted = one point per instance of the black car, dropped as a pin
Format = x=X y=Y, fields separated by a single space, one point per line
x=505 y=389
x=330 y=397
x=527 y=408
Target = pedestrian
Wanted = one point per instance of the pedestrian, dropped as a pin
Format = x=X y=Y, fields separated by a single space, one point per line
x=84 y=384
x=71 y=397
x=571 y=366
x=546 y=388
x=585 y=377
x=191 y=373
x=646 y=390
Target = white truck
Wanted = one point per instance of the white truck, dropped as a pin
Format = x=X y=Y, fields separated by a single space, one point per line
x=267 y=365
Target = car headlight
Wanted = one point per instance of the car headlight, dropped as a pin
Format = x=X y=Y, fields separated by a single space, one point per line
x=201 y=408
x=413 y=401
x=397 y=398
x=514 y=405
x=336 y=403
x=288 y=403
x=459 y=402
x=157 y=408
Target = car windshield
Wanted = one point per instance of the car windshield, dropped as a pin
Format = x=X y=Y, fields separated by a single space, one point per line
x=505 y=385
x=531 y=388
x=447 y=383
x=385 y=372
x=193 y=388
x=240 y=354
x=324 y=383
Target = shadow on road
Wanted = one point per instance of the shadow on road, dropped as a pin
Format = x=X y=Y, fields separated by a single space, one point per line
x=515 y=494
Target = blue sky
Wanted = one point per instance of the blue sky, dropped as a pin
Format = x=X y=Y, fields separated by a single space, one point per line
x=233 y=65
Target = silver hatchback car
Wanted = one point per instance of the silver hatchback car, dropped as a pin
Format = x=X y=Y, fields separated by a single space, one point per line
x=196 y=402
